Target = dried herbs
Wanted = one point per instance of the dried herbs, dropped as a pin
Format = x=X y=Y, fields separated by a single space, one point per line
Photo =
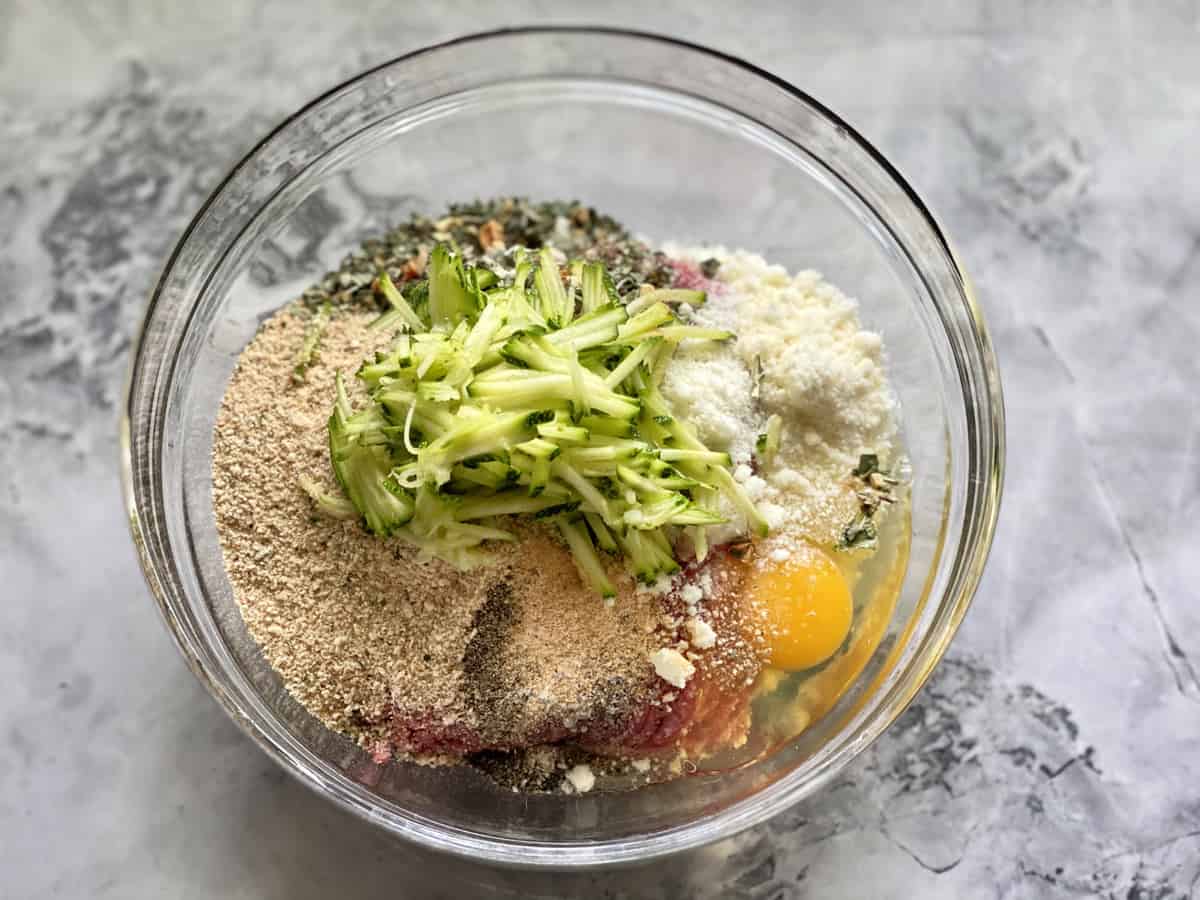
x=875 y=489
x=487 y=231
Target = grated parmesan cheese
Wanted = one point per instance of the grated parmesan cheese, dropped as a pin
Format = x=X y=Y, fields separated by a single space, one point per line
x=710 y=386
x=821 y=373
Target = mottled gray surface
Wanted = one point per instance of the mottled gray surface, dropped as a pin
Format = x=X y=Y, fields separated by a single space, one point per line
x=1056 y=753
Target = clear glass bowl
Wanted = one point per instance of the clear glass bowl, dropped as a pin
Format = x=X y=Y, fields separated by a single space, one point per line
x=683 y=144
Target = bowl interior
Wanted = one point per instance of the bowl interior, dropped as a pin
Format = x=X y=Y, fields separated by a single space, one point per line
x=685 y=158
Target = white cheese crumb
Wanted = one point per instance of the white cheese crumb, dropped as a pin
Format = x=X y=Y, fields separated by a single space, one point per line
x=661 y=586
x=754 y=486
x=702 y=634
x=691 y=594
x=581 y=778
x=742 y=473
x=672 y=666
x=641 y=765
x=710 y=387
x=775 y=514
x=780 y=554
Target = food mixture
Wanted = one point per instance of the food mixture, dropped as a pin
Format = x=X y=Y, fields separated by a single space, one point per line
x=514 y=489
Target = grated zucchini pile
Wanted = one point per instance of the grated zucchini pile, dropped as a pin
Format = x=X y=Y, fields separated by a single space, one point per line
x=535 y=394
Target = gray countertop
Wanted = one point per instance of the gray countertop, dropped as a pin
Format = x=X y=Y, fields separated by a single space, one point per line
x=1056 y=752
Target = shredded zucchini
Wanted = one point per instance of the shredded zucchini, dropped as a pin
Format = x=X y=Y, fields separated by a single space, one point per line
x=400 y=312
x=522 y=396
x=312 y=340
x=591 y=569
x=326 y=503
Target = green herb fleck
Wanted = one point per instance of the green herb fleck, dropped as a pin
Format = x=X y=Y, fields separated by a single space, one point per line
x=875 y=490
x=861 y=534
x=867 y=463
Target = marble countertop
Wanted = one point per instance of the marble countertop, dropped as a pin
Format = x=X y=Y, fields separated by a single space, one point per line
x=1056 y=752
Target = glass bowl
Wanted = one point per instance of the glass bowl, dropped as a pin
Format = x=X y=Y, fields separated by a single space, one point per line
x=683 y=144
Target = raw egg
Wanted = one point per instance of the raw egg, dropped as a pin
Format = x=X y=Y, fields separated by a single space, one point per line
x=806 y=605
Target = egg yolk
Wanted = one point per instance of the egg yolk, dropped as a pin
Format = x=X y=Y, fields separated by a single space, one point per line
x=806 y=603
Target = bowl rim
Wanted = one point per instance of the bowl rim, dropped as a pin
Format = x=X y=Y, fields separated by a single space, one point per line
x=746 y=812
